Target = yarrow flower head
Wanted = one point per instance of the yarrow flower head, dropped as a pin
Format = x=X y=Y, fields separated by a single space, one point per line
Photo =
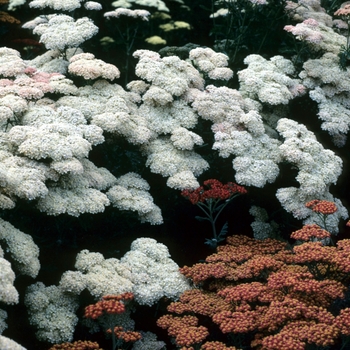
x=79 y=344
x=209 y=199
x=143 y=14
x=309 y=233
x=215 y=190
x=322 y=206
x=110 y=304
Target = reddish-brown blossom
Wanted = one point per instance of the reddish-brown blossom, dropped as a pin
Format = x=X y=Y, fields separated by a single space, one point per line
x=195 y=301
x=281 y=341
x=213 y=189
x=342 y=321
x=256 y=266
x=110 y=304
x=183 y=329
x=322 y=206
x=5 y=17
x=126 y=336
x=243 y=292
x=201 y=272
x=216 y=345
x=310 y=232
x=77 y=345
x=236 y=322
x=285 y=296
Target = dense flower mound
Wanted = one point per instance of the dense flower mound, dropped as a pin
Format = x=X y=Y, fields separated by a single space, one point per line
x=265 y=295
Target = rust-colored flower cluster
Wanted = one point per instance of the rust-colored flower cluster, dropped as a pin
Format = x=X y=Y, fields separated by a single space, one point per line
x=309 y=233
x=322 y=206
x=184 y=329
x=7 y=18
x=77 y=345
x=110 y=304
x=126 y=336
x=213 y=189
x=268 y=295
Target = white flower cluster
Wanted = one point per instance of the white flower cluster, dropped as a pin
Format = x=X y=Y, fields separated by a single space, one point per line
x=11 y=63
x=169 y=73
x=88 y=67
x=61 y=31
x=9 y=344
x=269 y=81
x=261 y=228
x=164 y=94
x=165 y=159
x=8 y=293
x=158 y=4
x=148 y=342
x=23 y=250
x=142 y=14
x=52 y=312
x=240 y=134
x=112 y=109
x=98 y=275
x=153 y=273
x=318 y=169
x=146 y=270
x=65 y=5
x=330 y=88
x=3 y=317
x=131 y=193
x=212 y=63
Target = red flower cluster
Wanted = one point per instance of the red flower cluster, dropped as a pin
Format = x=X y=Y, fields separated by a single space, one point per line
x=322 y=206
x=77 y=345
x=310 y=232
x=126 y=336
x=213 y=189
x=110 y=304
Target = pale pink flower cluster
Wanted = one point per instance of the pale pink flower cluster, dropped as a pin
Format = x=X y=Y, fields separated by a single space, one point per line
x=88 y=67
x=142 y=14
x=307 y=30
x=303 y=9
x=30 y=85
